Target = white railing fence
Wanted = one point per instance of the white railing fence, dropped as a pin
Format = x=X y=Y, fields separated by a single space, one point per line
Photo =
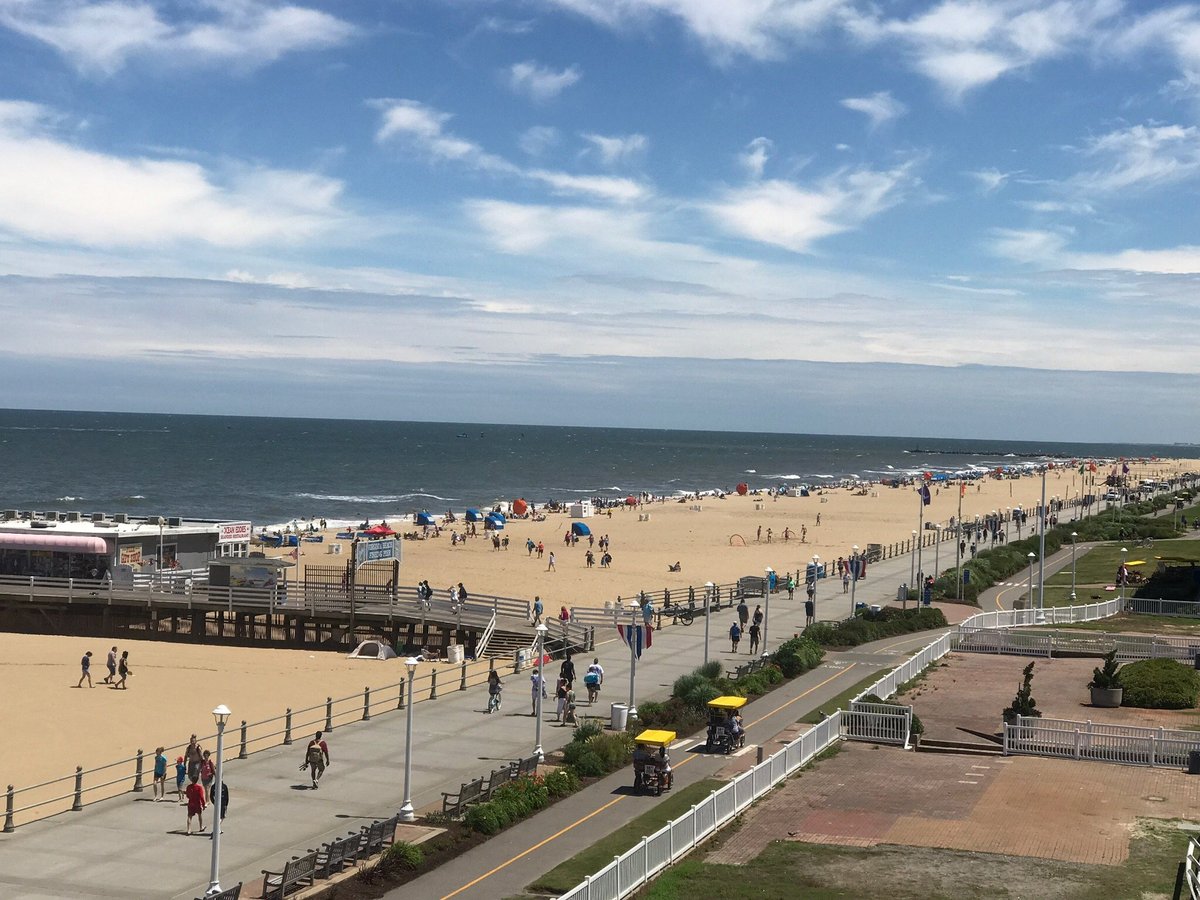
x=1146 y=606
x=1122 y=744
x=1129 y=647
x=879 y=723
x=1191 y=869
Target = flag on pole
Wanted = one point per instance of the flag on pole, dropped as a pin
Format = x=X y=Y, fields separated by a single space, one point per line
x=924 y=492
x=1124 y=468
x=639 y=637
x=1091 y=467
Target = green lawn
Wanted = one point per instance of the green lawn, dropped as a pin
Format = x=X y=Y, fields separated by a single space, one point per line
x=1167 y=625
x=787 y=869
x=563 y=877
x=842 y=700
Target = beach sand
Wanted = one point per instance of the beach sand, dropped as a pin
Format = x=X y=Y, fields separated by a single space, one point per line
x=175 y=685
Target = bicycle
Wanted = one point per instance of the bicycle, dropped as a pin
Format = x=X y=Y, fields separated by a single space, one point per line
x=1146 y=542
x=683 y=614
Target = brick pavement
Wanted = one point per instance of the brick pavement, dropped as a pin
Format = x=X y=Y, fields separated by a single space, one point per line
x=1021 y=806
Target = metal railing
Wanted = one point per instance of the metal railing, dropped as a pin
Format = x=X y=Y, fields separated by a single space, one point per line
x=1122 y=744
x=1129 y=647
x=1146 y=606
x=1191 y=869
x=879 y=723
x=486 y=637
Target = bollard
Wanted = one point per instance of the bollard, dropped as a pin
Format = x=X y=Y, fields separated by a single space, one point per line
x=366 y=704
x=78 y=804
x=758 y=756
x=400 y=702
x=329 y=714
x=9 y=827
x=242 y=751
x=492 y=663
x=433 y=684
x=462 y=685
x=137 y=775
x=287 y=727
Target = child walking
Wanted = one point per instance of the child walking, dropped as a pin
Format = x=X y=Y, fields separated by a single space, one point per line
x=180 y=777
x=195 y=803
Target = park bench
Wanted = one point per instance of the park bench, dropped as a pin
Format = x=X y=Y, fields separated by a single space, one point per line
x=299 y=872
x=470 y=792
x=525 y=767
x=745 y=669
x=370 y=839
x=228 y=894
x=336 y=855
x=498 y=779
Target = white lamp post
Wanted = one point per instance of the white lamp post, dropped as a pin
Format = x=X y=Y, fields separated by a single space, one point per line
x=853 y=577
x=1124 y=576
x=816 y=562
x=767 y=609
x=912 y=566
x=708 y=597
x=1032 y=557
x=541 y=688
x=221 y=714
x=1074 y=537
x=407 y=814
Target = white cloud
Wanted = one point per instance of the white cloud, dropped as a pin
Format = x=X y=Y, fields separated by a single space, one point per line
x=526 y=228
x=540 y=83
x=1183 y=260
x=1142 y=156
x=102 y=37
x=881 y=107
x=990 y=180
x=538 y=140
x=1030 y=246
x=788 y=215
x=754 y=157
x=54 y=190
x=423 y=127
x=615 y=149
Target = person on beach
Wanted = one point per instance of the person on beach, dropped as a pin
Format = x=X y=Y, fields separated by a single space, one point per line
x=316 y=758
x=589 y=559
x=180 y=777
x=208 y=772
x=743 y=612
x=537 y=687
x=111 y=664
x=537 y=611
x=735 y=635
x=550 y=565
x=530 y=546
x=541 y=549
x=810 y=612
x=755 y=630
x=123 y=671
x=195 y=804
x=593 y=679
x=160 y=774
x=85 y=666
x=495 y=688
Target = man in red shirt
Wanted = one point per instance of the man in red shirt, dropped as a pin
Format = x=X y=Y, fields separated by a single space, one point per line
x=316 y=758
x=196 y=802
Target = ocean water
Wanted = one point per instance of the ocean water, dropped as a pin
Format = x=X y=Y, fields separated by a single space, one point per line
x=273 y=470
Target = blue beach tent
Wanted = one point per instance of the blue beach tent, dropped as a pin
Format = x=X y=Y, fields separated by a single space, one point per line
x=424 y=518
x=495 y=521
x=580 y=529
x=474 y=515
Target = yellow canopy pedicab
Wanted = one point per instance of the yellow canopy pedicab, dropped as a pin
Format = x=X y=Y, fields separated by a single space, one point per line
x=725 y=732
x=651 y=761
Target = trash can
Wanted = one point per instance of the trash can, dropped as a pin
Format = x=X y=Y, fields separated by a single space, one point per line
x=522 y=658
x=1193 y=762
x=859 y=606
x=620 y=717
x=902 y=593
x=1196 y=661
x=454 y=653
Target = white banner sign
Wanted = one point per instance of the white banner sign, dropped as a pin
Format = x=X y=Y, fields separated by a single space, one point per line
x=376 y=551
x=234 y=532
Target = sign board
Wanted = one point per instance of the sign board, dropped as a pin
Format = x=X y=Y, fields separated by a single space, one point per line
x=376 y=551
x=130 y=556
x=234 y=532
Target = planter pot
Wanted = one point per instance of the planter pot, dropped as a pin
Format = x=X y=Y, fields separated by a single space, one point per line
x=1107 y=698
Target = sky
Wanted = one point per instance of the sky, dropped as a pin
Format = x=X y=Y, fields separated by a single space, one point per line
x=959 y=219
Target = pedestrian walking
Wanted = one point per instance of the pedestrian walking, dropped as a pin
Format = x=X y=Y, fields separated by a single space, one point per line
x=791 y=587
x=647 y=610
x=743 y=612
x=735 y=635
x=85 y=666
x=160 y=774
x=567 y=670
x=316 y=758
x=810 y=612
x=195 y=804
x=593 y=678
x=755 y=629
x=495 y=687
x=111 y=664
x=180 y=777
x=560 y=698
x=123 y=671
x=550 y=564
x=846 y=582
x=537 y=611
x=758 y=614
x=193 y=755
x=208 y=772
x=537 y=687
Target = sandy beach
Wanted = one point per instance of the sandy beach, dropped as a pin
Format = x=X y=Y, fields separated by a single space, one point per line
x=176 y=685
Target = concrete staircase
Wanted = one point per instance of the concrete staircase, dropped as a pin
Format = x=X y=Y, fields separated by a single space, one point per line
x=962 y=748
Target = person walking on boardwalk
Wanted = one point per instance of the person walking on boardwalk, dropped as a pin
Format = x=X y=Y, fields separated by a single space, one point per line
x=754 y=631
x=735 y=635
x=160 y=774
x=810 y=612
x=537 y=687
x=85 y=666
x=111 y=664
x=194 y=755
x=180 y=777
x=495 y=688
x=592 y=679
x=743 y=613
x=538 y=609
x=195 y=803
x=123 y=671
x=316 y=758
x=208 y=773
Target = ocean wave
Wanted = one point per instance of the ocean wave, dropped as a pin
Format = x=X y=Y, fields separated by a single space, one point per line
x=69 y=498
x=374 y=498
x=786 y=477
x=751 y=472
x=85 y=430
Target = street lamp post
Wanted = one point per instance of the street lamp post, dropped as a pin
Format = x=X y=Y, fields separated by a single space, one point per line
x=1032 y=557
x=937 y=552
x=816 y=563
x=221 y=714
x=766 y=607
x=1175 y=513
x=708 y=592
x=853 y=578
x=407 y=814
x=541 y=689
x=1074 y=537
x=912 y=565
x=1124 y=575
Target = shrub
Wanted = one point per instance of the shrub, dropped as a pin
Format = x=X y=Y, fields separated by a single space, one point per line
x=1023 y=703
x=562 y=782
x=588 y=765
x=797 y=656
x=916 y=726
x=482 y=818
x=673 y=715
x=1159 y=684
x=403 y=856
x=585 y=731
x=1108 y=677
x=870 y=626
x=710 y=670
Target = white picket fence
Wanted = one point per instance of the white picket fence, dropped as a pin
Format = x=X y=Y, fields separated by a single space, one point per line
x=1186 y=608
x=878 y=723
x=1122 y=744
x=652 y=854
x=1129 y=647
x=1191 y=869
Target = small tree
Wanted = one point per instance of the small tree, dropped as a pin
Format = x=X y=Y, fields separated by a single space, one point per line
x=1108 y=677
x=1023 y=704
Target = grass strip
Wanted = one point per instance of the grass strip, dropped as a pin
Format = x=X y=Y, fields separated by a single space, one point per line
x=842 y=700
x=567 y=875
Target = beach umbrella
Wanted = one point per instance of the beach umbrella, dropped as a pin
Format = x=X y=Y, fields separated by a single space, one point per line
x=743 y=489
x=631 y=501
x=519 y=507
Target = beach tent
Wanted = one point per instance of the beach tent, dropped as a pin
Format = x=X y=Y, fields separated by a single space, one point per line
x=372 y=650
x=743 y=489
x=631 y=501
x=474 y=515
x=424 y=518
x=580 y=529
x=495 y=521
x=380 y=531
x=519 y=507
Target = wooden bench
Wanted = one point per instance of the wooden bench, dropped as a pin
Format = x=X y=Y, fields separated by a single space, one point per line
x=470 y=792
x=498 y=779
x=745 y=669
x=370 y=839
x=524 y=767
x=299 y=872
x=336 y=855
x=228 y=894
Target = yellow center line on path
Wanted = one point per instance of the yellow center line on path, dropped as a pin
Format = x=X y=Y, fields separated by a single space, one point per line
x=1000 y=594
x=595 y=812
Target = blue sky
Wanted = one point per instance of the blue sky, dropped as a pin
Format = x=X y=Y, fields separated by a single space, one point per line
x=857 y=216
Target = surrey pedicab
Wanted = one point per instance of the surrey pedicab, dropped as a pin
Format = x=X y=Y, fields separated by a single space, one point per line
x=652 y=761
x=725 y=731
